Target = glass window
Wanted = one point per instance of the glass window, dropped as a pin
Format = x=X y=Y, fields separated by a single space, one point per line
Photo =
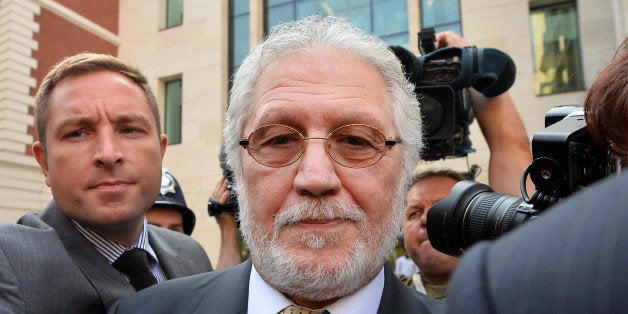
x=173 y=111
x=239 y=33
x=239 y=7
x=174 y=13
x=443 y=15
x=278 y=14
x=556 y=49
x=390 y=18
x=385 y=18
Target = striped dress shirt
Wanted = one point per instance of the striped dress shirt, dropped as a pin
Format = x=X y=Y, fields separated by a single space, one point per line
x=112 y=251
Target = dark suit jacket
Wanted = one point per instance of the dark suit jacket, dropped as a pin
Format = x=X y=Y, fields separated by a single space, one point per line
x=571 y=259
x=47 y=266
x=227 y=291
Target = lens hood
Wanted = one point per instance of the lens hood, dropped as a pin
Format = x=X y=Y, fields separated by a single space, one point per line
x=445 y=219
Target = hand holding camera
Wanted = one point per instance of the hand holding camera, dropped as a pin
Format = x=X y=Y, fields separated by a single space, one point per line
x=441 y=76
x=222 y=200
x=218 y=200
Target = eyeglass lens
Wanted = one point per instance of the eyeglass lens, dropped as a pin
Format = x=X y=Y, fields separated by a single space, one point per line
x=353 y=145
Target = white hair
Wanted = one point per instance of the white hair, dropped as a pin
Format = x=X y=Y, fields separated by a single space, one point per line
x=317 y=32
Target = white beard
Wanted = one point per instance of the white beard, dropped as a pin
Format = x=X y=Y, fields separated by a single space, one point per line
x=307 y=278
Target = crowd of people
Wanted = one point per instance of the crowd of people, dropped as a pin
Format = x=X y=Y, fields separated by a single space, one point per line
x=322 y=140
x=510 y=153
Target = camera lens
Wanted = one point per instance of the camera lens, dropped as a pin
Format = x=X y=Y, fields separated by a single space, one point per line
x=473 y=212
x=431 y=114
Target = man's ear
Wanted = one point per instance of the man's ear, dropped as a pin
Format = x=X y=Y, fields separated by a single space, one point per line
x=163 y=140
x=40 y=156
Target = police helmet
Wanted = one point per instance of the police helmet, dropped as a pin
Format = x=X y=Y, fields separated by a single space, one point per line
x=171 y=196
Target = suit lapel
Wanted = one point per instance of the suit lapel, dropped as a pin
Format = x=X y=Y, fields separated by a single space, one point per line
x=110 y=283
x=390 y=295
x=168 y=254
x=231 y=287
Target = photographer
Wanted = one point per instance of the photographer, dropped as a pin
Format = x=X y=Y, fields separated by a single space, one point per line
x=224 y=207
x=571 y=259
x=502 y=128
x=510 y=153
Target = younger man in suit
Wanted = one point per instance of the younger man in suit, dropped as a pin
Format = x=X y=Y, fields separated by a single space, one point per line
x=322 y=133
x=100 y=149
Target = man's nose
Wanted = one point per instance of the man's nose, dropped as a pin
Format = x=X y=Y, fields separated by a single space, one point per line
x=424 y=216
x=316 y=174
x=107 y=151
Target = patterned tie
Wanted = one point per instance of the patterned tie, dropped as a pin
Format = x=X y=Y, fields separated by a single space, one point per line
x=295 y=309
x=134 y=263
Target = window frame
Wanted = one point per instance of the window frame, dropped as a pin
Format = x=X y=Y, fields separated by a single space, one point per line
x=573 y=70
x=170 y=22
x=174 y=137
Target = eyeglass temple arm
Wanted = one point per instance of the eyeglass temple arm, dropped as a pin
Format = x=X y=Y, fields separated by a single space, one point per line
x=390 y=142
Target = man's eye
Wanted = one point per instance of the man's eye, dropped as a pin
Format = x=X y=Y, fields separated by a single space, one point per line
x=130 y=130
x=354 y=141
x=280 y=140
x=415 y=214
x=77 y=133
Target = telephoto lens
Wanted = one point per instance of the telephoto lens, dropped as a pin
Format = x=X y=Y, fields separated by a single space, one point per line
x=471 y=213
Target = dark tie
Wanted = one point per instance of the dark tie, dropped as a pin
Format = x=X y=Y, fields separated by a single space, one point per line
x=134 y=263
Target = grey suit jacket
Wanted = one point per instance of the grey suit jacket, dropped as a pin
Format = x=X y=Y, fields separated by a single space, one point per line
x=47 y=266
x=571 y=259
x=227 y=291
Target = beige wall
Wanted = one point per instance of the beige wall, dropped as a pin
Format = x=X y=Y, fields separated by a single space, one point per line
x=197 y=52
x=21 y=184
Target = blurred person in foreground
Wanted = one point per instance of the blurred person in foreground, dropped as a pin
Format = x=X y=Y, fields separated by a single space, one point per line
x=573 y=257
x=100 y=149
x=322 y=133
x=510 y=153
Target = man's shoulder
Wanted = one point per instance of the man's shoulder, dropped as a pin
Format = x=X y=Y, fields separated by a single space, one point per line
x=582 y=236
x=37 y=234
x=601 y=205
x=33 y=220
x=208 y=292
x=170 y=235
x=167 y=238
x=599 y=209
x=179 y=254
x=217 y=281
x=51 y=217
x=399 y=298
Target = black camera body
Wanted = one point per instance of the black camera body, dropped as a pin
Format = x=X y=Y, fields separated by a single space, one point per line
x=564 y=158
x=440 y=78
x=564 y=162
x=214 y=208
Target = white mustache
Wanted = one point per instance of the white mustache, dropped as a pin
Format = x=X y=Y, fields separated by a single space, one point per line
x=319 y=209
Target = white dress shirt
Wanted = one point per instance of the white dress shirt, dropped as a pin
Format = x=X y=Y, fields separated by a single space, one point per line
x=264 y=299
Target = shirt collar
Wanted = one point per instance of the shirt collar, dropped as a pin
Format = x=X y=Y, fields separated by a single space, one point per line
x=112 y=250
x=265 y=299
